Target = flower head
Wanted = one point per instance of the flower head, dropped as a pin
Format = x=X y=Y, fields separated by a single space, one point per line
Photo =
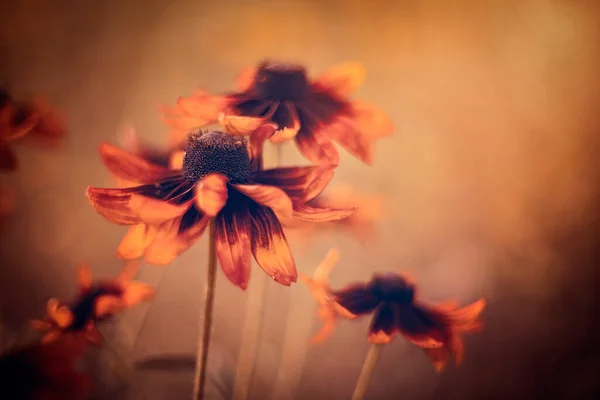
x=95 y=301
x=392 y=300
x=44 y=371
x=313 y=112
x=33 y=118
x=220 y=180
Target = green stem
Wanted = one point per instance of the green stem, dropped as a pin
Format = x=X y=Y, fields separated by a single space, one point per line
x=367 y=370
x=203 y=346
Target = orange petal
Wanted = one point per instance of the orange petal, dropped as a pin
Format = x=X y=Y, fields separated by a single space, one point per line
x=245 y=125
x=202 y=106
x=232 y=243
x=180 y=122
x=176 y=160
x=135 y=242
x=136 y=293
x=286 y=133
x=269 y=196
x=84 y=276
x=372 y=121
x=329 y=262
x=245 y=79
x=131 y=167
x=344 y=131
x=170 y=243
x=383 y=326
x=129 y=271
x=107 y=305
x=51 y=337
x=270 y=247
x=211 y=194
x=256 y=144
x=317 y=147
x=343 y=79
x=301 y=184
x=313 y=214
x=92 y=334
x=61 y=315
x=438 y=356
x=113 y=204
x=155 y=211
x=329 y=321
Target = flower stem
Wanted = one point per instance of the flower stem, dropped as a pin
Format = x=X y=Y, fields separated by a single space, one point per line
x=203 y=346
x=367 y=370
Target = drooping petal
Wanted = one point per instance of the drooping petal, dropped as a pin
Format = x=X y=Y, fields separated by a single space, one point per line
x=135 y=242
x=154 y=211
x=344 y=131
x=269 y=196
x=383 y=325
x=288 y=121
x=245 y=78
x=113 y=204
x=244 y=124
x=301 y=184
x=314 y=214
x=420 y=327
x=356 y=298
x=256 y=144
x=131 y=167
x=137 y=292
x=270 y=247
x=202 y=106
x=342 y=80
x=438 y=356
x=107 y=305
x=316 y=147
x=232 y=240
x=84 y=276
x=211 y=194
x=372 y=121
x=61 y=315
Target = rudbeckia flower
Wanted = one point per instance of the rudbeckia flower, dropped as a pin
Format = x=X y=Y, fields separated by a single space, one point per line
x=312 y=112
x=44 y=371
x=391 y=299
x=96 y=301
x=34 y=118
x=220 y=181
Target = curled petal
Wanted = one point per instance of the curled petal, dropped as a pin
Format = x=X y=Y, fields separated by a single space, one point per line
x=113 y=204
x=232 y=241
x=131 y=167
x=107 y=305
x=270 y=247
x=301 y=184
x=137 y=292
x=383 y=325
x=245 y=125
x=313 y=214
x=324 y=268
x=289 y=123
x=269 y=196
x=256 y=143
x=344 y=131
x=84 y=276
x=61 y=315
x=211 y=194
x=343 y=79
x=316 y=147
x=135 y=242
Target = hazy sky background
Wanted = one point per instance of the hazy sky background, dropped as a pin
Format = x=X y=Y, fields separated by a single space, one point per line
x=491 y=177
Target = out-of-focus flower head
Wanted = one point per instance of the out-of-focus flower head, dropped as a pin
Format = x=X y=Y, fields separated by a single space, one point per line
x=390 y=297
x=312 y=112
x=361 y=224
x=221 y=179
x=95 y=301
x=34 y=118
x=45 y=371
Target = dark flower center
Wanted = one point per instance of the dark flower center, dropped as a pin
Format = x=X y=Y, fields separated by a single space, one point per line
x=83 y=310
x=392 y=287
x=280 y=81
x=216 y=152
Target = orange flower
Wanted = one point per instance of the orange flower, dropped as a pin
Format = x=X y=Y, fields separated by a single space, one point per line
x=312 y=112
x=391 y=299
x=21 y=119
x=45 y=371
x=221 y=180
x=95 y=302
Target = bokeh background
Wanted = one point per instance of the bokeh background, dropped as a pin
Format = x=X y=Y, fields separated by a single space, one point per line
x=492 y=180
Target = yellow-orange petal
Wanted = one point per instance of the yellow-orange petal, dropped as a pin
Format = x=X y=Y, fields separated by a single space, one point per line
x=155 y=211
x=135 y=241
x=343 y=79
x=270 y=196
x=130 y=167
x=314 y=214
x=84 y=276
x=176 y=160
x=328 y=318
x=107 y=305
x=287 y=133
x=211 y=194
x=136 y=292
x=232 y=244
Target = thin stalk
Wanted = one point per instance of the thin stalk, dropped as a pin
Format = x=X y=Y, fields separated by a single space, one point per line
x=124 y=365
x=367 y=371
x=203 y=346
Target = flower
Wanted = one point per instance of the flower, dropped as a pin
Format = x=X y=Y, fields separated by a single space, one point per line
x=45 y=371
x=94 y=302
x=361 y=224
x=391 y=299
x=312 y=112
x=20 y=119
x=220 y=181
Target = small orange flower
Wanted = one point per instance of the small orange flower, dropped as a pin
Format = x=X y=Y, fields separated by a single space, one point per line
x=220 y=180
x=45 y=371
x=95 y=302
x=391 y=299
x=34 y=118
x=312 y=112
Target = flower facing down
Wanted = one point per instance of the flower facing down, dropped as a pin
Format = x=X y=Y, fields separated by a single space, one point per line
x=312 y=112
x=391 y=299
x=95 y=301
x=220 y=181
x=44 y=371
x=34 y=118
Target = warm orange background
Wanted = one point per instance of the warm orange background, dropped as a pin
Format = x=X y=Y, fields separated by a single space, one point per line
x=492 y=181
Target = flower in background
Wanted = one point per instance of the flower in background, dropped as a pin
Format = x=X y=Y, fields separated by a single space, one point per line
x=311 y=112
x=391 y=299
x=45 y=371
x=96 y=301
x=33 y=119
x=221 y=180
x=361 y=224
